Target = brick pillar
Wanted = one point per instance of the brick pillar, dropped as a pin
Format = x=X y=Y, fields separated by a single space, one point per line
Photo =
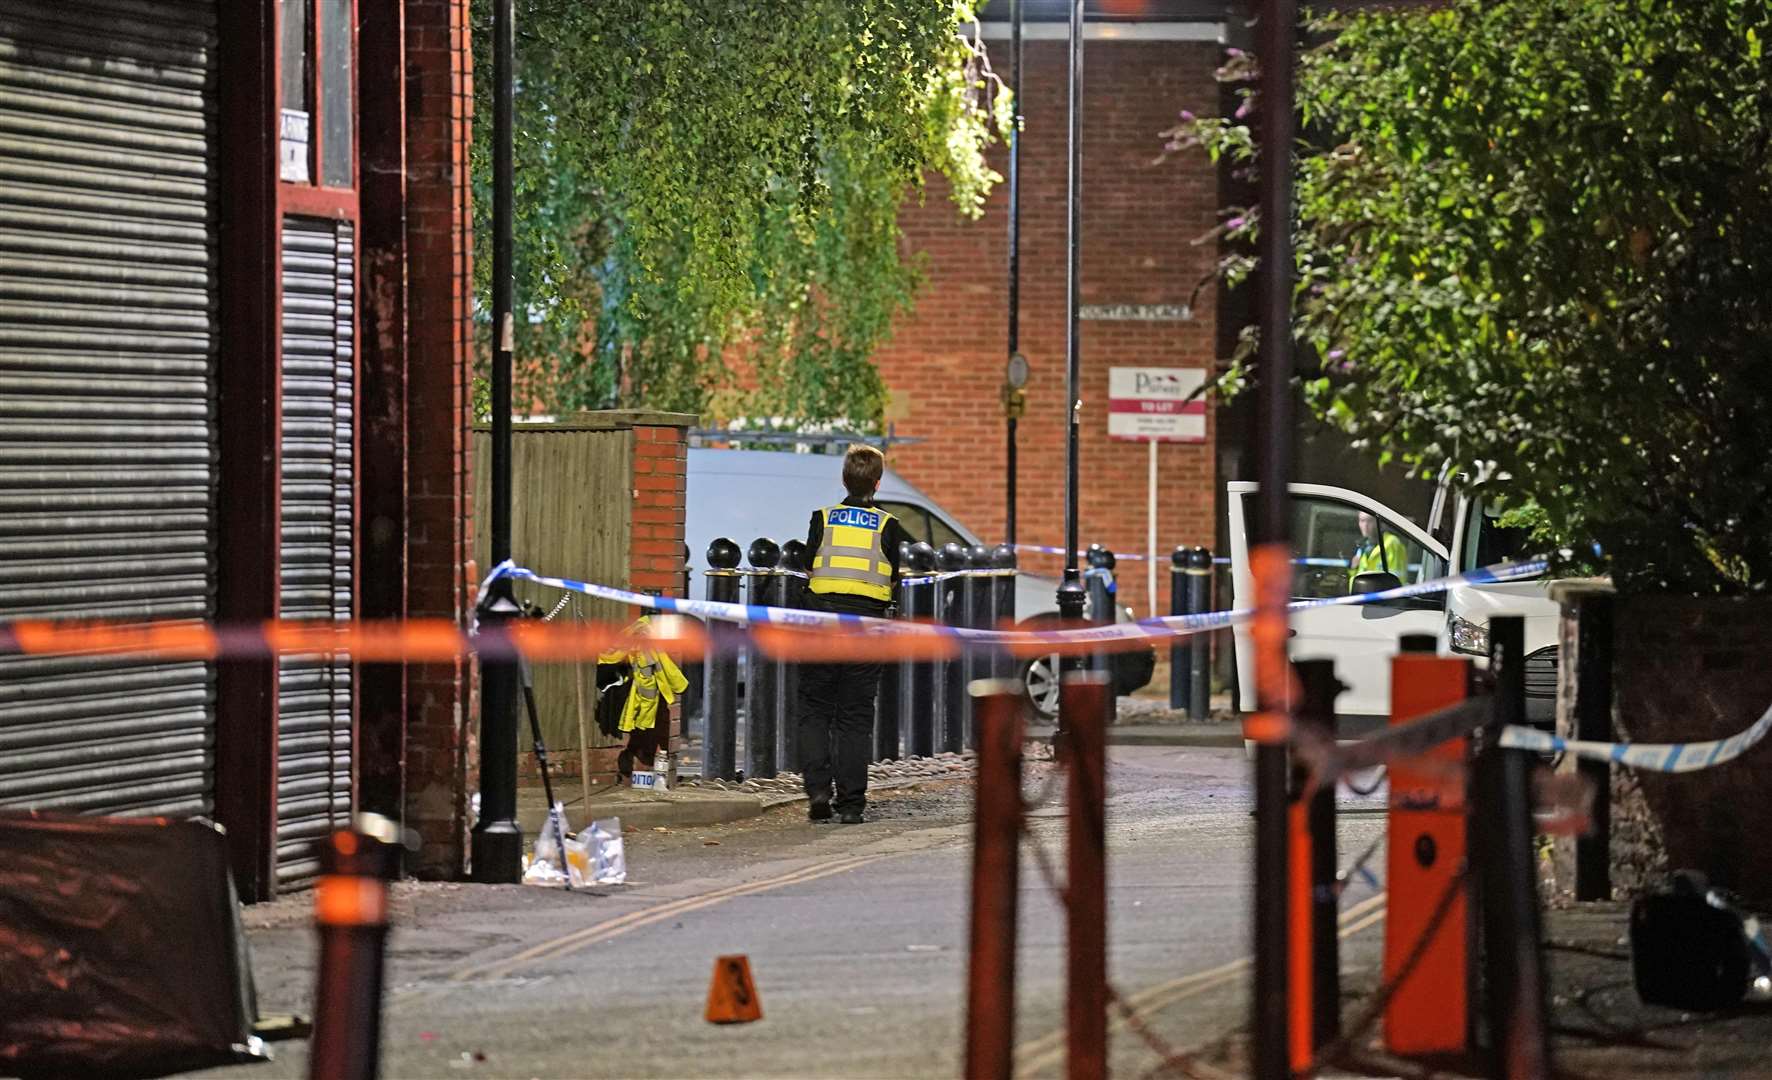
x=439 y=234
x=655 y=560
x=382 y=435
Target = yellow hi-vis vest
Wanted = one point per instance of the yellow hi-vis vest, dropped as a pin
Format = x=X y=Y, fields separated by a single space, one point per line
x=851 y=557
x=655 y=675
x=1388 y=556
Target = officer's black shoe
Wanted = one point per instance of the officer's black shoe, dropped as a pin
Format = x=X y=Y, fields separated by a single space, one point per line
x=818 y=810
x=850 y=817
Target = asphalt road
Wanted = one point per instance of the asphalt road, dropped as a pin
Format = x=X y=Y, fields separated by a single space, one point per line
x=856 y=936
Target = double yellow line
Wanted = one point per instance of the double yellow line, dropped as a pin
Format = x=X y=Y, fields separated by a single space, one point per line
x=577 y=940
x=1048 y=1050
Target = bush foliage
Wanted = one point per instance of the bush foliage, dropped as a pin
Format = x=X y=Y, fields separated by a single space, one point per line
x=699 y=182
x=1539 y=233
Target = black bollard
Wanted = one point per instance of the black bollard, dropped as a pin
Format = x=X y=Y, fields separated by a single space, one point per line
x=1073 y=598
x=762 y=704
x=351 y=914
x=719 y=737
x=951 y=737
x=1099 y=580
x=1003 y=610
x=921 y=595
x=794 y=568
x=1199 y=589
x=689 y=708
x=1181 y=655
x=889 y=703
x=975 y=612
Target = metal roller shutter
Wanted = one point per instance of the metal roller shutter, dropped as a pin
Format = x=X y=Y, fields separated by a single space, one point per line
x=107 y=405
x=314 y=709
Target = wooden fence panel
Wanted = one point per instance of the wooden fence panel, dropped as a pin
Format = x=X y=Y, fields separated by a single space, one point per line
x=571 y=516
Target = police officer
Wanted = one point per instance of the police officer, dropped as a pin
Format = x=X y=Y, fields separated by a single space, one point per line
x=1377 y=551
x=854 y=547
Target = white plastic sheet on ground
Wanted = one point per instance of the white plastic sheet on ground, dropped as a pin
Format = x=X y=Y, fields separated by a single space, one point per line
x=544 y=861
x=594 y=857
x=609 y=862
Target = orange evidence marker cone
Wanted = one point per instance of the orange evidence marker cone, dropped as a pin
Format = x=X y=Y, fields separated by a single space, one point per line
x=732 y=995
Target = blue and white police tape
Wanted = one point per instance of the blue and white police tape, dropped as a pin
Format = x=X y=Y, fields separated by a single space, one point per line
x=707 y=610
x=1163 y=626
x=1218 y=560
x=1173 y=625
x=1654 y=757
x=945 y=575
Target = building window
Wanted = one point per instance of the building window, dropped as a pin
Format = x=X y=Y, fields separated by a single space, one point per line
x=296 y=134
x=335 y=92
x=317 y=46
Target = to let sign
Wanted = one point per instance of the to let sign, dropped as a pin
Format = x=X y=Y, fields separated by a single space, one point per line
x=1148 y=404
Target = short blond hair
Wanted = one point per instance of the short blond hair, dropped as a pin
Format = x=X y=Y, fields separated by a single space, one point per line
x=863 y=466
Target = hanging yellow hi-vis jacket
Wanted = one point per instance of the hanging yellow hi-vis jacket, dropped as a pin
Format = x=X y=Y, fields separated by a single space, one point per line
x=851 y=556
x=655 y=675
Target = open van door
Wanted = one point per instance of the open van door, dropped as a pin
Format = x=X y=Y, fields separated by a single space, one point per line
x=1480 y=539
x=1327 y=536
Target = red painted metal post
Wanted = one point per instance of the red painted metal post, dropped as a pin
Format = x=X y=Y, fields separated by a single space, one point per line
x=351 y=914
x=996 y=873
x=1300 y=988
x=1083 y=702
x=246 y=506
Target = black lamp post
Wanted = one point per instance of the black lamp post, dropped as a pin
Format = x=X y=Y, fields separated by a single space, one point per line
x=1070 y=592
x=1016 y=377
x=1275 y=49
x=497 y=838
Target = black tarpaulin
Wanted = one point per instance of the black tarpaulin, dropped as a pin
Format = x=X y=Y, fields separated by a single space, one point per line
x=120 y=948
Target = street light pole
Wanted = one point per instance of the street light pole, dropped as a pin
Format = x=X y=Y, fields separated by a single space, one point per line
x=1271 y=726
x=1070 y=592
x=1014 y=397
x=498 y=839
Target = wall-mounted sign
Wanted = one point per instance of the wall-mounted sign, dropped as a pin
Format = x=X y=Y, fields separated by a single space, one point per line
x=1135 y=312
x=1149 y=404
x=293 y=143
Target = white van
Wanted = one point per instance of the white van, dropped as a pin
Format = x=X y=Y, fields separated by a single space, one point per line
x=745 y=494
x=1362 y=639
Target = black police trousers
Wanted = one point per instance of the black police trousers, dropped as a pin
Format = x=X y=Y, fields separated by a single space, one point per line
x=837 y=731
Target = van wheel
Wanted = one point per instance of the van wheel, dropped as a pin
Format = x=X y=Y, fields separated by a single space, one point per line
x=1039 y=680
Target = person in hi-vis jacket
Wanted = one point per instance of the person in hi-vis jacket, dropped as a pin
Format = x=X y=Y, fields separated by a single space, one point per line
x=854 y=547
x=1378 y=551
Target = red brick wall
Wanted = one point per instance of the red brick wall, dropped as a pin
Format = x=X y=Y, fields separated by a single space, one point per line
x=439 y=232
x=656 y=561
x=945 y=363
x=656 y=556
